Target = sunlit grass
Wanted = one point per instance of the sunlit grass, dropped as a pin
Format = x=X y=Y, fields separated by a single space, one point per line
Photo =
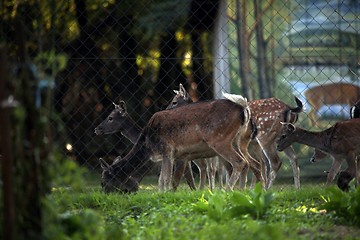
x=149 y=214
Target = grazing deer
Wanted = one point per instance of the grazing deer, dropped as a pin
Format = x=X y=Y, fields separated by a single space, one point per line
x=120 y=121
x=336 y=93
x=268 y=115
x=341 y=140
x=336 y=165
x=202 y=129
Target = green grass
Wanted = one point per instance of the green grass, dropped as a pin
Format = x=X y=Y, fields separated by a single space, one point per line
x=148 y=214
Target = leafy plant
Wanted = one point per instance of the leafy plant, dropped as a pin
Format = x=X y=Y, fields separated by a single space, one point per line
x=344 y=204
x=255 y=204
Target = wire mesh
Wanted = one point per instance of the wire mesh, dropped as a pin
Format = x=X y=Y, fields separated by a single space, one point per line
x=86 y=55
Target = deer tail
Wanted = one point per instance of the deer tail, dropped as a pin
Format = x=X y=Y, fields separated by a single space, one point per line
x=236 y=99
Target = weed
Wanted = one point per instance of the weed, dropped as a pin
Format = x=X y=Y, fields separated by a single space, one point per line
x=222 y=206
x=344 y=204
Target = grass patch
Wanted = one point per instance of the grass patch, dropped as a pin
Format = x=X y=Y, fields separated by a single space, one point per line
x=280 y=213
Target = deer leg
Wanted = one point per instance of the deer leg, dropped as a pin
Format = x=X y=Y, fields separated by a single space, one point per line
x=201 y=164
x=335 y=168
x=237 y=160
x=166 y=173
x=256 y=152
x=290 y=153
x=275 y=164
x=220 y=170
x=189 y=176
x=182 y=167
x=346 y=176
x=243 y=177
x=211 y=169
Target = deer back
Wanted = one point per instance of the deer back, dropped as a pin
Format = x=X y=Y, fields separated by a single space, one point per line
x=337 y=93
x=197 y=122
x=269 y=113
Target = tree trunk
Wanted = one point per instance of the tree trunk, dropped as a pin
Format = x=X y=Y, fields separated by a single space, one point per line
x=29 y=155
x=261 y=62
x=170 y=72
x=202 y=78
x=243 y=50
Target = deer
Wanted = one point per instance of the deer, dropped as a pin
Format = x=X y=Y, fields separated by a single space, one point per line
x=207 y=167
x=336 y=165
x=341 y=140
x=267 y=115
x=120 y=121
x=202 y=129
x=336 y=93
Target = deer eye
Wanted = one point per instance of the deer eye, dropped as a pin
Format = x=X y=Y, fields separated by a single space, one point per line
x=110 y=118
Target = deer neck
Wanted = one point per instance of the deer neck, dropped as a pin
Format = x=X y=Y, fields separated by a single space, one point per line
x=132 y=131
x=136 y=161
x=313 y=139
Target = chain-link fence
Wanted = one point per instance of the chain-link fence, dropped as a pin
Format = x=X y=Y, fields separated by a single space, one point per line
x=68 y=62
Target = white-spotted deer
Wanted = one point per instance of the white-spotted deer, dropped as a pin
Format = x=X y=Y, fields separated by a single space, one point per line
x=268 y=115
x=328 y=94
x=341 y=140
x=202 y=129
x=120 y=121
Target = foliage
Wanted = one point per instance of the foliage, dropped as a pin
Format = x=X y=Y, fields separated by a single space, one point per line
x=148 y=214
x=345 y=205
x=237 y=204
x=66 y=173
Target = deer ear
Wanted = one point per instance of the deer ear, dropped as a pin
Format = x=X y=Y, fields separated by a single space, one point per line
x=183 y=92
x=115 y=105
x=176 y=92
x=291 y=127
x=104 y=165
x=122 y=105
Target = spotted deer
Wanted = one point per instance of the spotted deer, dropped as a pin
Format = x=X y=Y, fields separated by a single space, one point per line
x=327 y=94
x=268 y=114
x=120 y=121
x=185 y=133
x=341 y=140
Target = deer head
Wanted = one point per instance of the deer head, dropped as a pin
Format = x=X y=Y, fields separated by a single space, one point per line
x=182 y=97
x=114 y=122
x=111 y=182
x=287 y=136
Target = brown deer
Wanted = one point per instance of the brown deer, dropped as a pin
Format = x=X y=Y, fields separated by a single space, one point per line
x=207 y=167
x=336 y=165
x=268 y=115
x=336 y=93
x=341 y=140
x=120 y=121
x=202 y=129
